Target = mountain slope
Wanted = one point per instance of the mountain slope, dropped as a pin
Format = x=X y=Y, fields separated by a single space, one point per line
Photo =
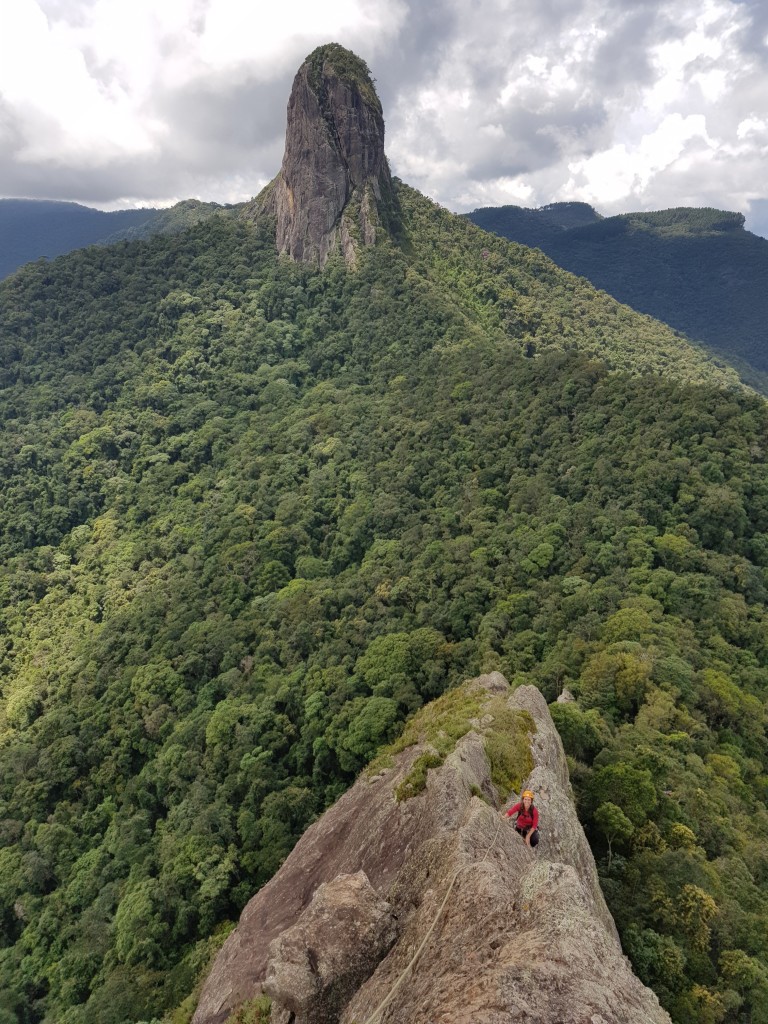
x=536 y=228
x=172 y=221
x=255 y=514
x=526 y=296
x=31 y=228
x=696 y=269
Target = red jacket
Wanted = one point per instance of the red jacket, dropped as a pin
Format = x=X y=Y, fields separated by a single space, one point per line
x=526 y=819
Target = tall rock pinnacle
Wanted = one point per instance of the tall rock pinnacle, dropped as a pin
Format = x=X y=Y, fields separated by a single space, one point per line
x=334 y=187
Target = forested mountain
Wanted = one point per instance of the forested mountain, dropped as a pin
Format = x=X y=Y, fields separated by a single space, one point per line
x=255 y=513
x=35 y=228
x=696 y=269
x=31 y=228
x=534 y=227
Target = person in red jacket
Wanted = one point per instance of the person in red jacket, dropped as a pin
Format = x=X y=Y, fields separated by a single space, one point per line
x=527 y=821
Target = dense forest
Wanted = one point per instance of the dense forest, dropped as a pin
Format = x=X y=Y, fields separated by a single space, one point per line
x=696 y=269
x=256 y=514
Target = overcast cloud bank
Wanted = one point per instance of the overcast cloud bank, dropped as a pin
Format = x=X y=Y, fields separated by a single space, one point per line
x=637 y=105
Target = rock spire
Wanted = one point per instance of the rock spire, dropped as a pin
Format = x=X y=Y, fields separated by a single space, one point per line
x=334 y=189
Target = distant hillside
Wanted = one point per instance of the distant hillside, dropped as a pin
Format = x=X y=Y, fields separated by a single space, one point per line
x=534 y=227
x=696 y=269
x=172 y=221
x=31 y=228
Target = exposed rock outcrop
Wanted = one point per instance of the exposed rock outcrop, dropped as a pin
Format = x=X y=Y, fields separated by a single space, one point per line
x=501 y=932
x=317 y=965
x=334 y=188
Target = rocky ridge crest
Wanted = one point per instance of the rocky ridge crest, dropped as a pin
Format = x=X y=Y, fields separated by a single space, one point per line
x=334 y=188
x=502 y=932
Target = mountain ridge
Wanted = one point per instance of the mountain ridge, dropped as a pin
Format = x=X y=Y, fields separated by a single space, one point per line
x=696 y=269
x=556 y=228
x=513 y=913
x=32 y=229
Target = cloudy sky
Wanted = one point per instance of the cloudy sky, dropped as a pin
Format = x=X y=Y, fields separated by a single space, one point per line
x=638 y=104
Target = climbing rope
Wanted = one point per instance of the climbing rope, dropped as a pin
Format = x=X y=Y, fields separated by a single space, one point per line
x=387 y=999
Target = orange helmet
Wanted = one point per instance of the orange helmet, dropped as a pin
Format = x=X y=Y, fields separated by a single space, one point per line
x=526 y=793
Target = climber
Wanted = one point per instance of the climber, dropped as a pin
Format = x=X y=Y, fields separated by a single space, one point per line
x=527 y=820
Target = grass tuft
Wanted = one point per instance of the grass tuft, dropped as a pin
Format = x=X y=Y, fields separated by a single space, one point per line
x=416 y=779
x=442 y=723
x=508 y=747
x=255 y=1011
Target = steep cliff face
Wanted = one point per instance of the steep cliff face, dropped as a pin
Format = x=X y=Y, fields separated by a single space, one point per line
x=432 y=908
x=334 y=188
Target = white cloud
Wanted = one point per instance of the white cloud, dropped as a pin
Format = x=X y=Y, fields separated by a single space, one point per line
x=237 y=33
x=624 y=172
x=497 y=192
x=752 y=127
x=703 y=64
x=133 y=86
x=631 y=107
x=634 y=105
x=67 y=113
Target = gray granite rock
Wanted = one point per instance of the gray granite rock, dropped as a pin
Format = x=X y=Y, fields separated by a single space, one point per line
x=501 y=932
x=335 y=180
x=319 y=963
